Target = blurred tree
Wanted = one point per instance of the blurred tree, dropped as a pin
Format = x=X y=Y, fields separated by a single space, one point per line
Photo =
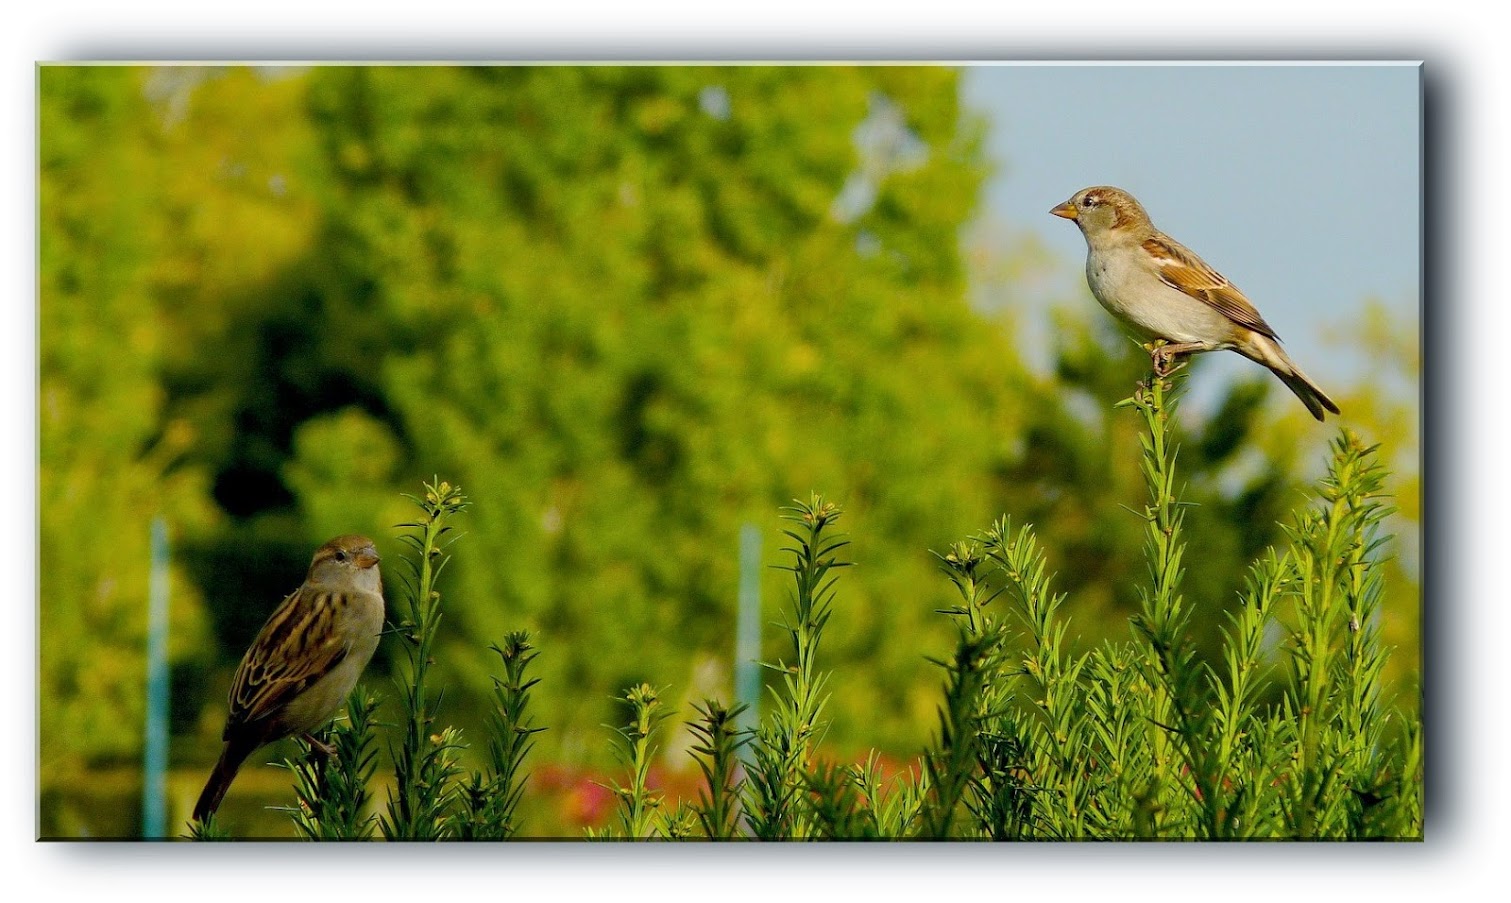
x=106 y=450
x=631 y=308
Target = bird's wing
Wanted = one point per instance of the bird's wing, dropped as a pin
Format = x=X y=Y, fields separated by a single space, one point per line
x=296 y=647
x=1182 y=270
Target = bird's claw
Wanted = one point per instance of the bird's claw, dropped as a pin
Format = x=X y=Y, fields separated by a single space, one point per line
x=1165 y=362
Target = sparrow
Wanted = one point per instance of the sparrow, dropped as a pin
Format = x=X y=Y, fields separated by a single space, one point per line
x=1155 y=285
x=305 y=660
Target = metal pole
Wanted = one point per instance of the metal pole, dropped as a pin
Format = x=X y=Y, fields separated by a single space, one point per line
x=748 y=628
x=155 y=759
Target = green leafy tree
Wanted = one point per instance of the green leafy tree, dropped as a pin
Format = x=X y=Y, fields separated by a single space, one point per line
x=107 y=454
x=635 y=307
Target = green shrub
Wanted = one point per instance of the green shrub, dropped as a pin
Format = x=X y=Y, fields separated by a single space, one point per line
x=1287 y=735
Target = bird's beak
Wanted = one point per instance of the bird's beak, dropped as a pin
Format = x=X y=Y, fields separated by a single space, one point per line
x=1067 y=210
x=367 y=558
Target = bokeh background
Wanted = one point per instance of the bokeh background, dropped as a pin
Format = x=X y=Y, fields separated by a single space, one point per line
x=633 y=309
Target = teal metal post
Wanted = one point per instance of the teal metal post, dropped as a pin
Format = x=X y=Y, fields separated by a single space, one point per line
x=748 y=627
x=155 y=760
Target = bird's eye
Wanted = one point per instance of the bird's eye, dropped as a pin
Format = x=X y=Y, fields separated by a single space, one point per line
x=1087 y=201
x=340 y=555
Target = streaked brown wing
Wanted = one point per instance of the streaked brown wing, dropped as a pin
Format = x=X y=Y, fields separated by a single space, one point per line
x=295 y=648
x=1182 y=270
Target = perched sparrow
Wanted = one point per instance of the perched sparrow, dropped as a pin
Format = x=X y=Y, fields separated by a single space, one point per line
x=305 y=660
x=1153 y=284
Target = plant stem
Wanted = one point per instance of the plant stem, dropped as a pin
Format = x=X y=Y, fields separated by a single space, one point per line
x=782 y=747
x=1181 y=710
x=424 y=763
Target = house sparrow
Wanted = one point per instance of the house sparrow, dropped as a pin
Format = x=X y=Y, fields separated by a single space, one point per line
x=1163 y=291
x=305 y=660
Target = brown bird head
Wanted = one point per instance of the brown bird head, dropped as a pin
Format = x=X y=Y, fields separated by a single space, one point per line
x=342 y=559
x=1103 y=209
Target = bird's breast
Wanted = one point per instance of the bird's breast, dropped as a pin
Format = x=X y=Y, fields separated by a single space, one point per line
x=1140 y=300
x=1116 y=289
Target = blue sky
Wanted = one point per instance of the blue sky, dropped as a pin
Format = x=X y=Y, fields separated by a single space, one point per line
x=1300 y=183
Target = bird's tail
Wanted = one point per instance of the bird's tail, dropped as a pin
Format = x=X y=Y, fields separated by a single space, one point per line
x=1268 y=352
x=226 y=767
